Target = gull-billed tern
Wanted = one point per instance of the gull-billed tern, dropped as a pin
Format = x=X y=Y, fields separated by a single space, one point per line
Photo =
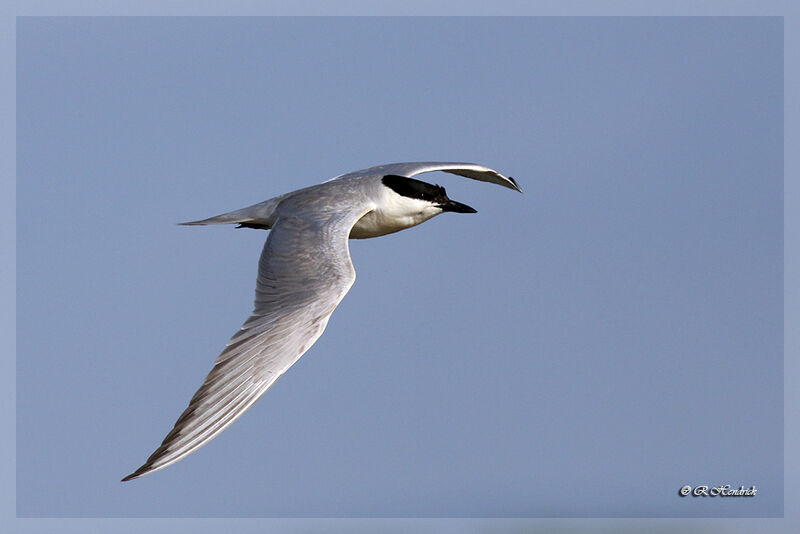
x=303 y=274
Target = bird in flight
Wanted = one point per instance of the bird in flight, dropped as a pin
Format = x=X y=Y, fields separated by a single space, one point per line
x=303 y=273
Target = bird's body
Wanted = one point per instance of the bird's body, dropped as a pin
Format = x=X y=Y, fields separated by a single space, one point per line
x=303 y=274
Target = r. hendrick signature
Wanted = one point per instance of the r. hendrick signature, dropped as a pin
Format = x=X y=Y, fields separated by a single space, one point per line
x=717 y=491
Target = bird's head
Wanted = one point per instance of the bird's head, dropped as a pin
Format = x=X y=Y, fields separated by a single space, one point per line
x=421 y=197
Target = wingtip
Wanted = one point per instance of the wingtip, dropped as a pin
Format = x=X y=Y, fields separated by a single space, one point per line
x=516 y=185
x=136 y=474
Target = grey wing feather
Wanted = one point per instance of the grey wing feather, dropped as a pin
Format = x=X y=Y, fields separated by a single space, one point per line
x=409 y=169
x=304 y=272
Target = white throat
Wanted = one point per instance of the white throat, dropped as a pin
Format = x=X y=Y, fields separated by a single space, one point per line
x=393 y=213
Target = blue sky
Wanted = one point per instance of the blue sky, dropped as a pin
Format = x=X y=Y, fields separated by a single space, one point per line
x=581 y=350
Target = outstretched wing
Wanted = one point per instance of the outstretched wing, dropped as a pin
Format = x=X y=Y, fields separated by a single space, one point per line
x=468 y=170
x=303 y=274
x=263 y=214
